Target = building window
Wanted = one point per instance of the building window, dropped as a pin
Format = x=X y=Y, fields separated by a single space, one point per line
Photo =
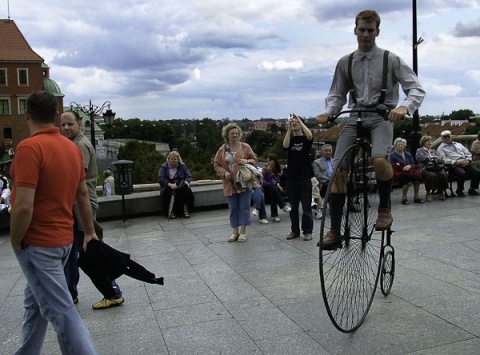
x=3 y=77
x=22 y=77
x=4 y=106
x=22 y=105
x=7 y=133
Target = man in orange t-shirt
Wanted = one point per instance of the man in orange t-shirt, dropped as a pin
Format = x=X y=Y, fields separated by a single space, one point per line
x=41 y=227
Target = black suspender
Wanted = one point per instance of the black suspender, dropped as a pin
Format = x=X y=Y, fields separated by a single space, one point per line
x=384 y=78
x=350 y=79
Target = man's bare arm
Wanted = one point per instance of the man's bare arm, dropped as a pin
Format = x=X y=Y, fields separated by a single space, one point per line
x=21 y=215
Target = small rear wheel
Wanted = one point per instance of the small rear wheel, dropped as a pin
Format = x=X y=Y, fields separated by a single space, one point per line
x=387 y=272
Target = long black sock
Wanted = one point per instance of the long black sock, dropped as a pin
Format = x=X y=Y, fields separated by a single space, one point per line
x=384 y=190
x=336 y=201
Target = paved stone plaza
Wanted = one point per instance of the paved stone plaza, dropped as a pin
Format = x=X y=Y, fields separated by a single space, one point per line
x=263 y=296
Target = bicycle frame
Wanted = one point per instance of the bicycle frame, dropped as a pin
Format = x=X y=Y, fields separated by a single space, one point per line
x=350 y=271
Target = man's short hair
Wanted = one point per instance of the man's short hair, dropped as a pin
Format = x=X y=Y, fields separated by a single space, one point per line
x=42 y=107
x=368 y=16
x=325 y=146
x=75 y=114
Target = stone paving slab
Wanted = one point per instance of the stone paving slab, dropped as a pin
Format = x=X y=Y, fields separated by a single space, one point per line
x=263 y=296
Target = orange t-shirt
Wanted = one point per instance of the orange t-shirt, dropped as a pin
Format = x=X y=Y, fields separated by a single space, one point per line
x=53 y=166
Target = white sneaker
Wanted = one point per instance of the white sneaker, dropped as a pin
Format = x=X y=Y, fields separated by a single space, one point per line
x=254 y=212
x=263 y=221
x=286 y=209
x=276 y=219
x=318 y=214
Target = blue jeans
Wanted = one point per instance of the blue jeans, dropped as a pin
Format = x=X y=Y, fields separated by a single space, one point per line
x=259 y=202
x=47 y=300
x=300 y=192
x=72 y=274
x=239 y=206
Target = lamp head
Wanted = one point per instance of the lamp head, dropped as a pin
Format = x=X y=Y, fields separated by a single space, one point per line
x=109 y=116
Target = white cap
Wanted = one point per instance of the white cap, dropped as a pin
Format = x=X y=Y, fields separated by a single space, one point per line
x=446 y=133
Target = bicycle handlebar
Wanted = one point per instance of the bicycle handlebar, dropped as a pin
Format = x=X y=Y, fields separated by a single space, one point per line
x=381 y=109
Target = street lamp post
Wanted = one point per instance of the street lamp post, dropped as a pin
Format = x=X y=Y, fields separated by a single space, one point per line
x=415 y=134
x=93 y=110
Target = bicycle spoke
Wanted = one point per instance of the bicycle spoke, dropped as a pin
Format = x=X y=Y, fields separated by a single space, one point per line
x=349 y=274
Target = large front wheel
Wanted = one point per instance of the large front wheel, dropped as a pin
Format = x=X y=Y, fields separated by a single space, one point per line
x=349 y=273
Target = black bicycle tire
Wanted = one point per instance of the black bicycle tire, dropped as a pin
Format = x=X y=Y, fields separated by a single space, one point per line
x=388 y=268
x=349 y=275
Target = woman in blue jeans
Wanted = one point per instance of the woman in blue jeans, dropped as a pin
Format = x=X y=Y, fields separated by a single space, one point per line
x=228 y=158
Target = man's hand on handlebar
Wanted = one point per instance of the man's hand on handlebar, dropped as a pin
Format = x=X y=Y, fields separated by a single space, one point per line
x=323 y=118
x=397 y=113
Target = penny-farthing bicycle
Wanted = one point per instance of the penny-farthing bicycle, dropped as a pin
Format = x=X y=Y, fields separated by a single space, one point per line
x=349 y=273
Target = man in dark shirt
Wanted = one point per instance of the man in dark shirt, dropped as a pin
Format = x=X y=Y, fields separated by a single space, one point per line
x=298 y=142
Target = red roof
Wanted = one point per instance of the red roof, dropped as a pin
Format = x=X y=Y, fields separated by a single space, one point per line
x=13 y=46
x=434 y=130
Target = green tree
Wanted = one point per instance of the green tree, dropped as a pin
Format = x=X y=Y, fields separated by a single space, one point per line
x=402 y=128
x=473 y=129
x=261 y=142
x=461 y=114
x=146 y=160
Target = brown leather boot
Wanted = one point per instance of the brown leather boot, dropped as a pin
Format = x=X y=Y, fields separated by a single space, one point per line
x=331 y=240
x=384 y=219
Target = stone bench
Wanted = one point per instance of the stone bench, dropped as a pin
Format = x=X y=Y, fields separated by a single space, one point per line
x=146 y=200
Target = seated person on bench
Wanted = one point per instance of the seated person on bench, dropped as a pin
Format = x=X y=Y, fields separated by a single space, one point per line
x=459 y=160
x=405 y=171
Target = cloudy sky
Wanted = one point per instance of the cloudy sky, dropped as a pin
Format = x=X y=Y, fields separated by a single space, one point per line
x=188 y=59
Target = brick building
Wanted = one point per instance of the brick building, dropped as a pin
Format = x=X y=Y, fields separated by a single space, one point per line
x=22 y=71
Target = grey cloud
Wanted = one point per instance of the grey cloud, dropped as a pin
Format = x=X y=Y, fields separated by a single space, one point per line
x=343 y=10
x=227 y=38
x=471 y=29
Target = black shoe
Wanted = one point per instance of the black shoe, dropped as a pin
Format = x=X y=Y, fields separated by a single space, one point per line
x=460 y=193
x=473 y=192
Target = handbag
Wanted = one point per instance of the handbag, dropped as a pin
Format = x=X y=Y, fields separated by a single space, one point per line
x=399 y=173
x=245 y=173
x=434 y=166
